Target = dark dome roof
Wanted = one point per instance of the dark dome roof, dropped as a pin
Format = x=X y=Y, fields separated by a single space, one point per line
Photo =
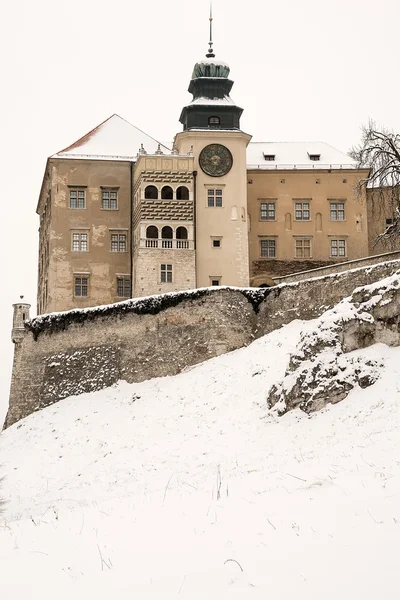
x=210 y=67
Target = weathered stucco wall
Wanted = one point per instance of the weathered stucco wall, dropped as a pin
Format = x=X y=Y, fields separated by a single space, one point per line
x=78 y=351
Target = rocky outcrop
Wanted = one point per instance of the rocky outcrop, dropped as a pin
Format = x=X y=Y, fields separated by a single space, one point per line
x=325 y=367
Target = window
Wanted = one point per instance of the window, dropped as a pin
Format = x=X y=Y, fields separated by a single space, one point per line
x=151 y=237
x=151 y=192
x=109 y=199
x=338 y=248
x=182 y=242
x=267 y=248
x=214 y=198
x=302 y=210
x=79 y=242
x=167 y=193
x=118 y=242
x=166 y=273
x=214 y=120
x=215 y=281
x=269 y=156
x=123 y=287
x=337 y=211
x=216 y=243
x=152 y=232
x=81 y=284
x=267 y=211
x=77 y=199
x=303 y=248
x=182 y=193
x=314 y=156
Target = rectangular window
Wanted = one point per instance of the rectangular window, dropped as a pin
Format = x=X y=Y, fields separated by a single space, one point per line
x=123 y=287
x=214 y=198
x=215 y=281
x=337 y=211
x=81 y=285
x=109 y=199
x=118 y=242
x=79 y=242
x=77 y=199
x=216 y=243
x=166 y=273
x=303 y=248
x=302 y=210
x=267 y=211
x=267 y=248
x=338 y=248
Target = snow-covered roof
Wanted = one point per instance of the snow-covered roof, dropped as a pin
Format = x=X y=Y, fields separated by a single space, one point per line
x=296 y=155
x=225 y=101
x=115 y=139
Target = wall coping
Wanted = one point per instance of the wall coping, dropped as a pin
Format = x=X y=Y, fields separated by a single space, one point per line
x=373 y=260
x=148 y=305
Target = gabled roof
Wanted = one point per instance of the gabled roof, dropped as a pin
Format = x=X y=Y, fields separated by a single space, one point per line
x=296 y=155
x=114 y=139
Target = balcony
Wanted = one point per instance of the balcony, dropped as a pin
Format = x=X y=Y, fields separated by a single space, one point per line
x=167 y=238
x=167 y=244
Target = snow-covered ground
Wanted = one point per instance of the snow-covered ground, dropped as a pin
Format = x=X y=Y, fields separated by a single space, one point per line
x=188 y=487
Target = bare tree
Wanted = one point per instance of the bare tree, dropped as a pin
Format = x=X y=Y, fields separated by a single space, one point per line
x=379 y=150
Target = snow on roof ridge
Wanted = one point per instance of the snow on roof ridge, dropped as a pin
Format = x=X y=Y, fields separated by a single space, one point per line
x=295 y=142
x=90 y=134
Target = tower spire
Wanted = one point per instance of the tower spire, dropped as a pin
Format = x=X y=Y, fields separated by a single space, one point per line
x=210 y=53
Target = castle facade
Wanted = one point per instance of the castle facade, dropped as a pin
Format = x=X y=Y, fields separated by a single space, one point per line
x=123 y=215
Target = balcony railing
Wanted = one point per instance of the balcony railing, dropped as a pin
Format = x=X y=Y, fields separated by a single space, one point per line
x=166 y=244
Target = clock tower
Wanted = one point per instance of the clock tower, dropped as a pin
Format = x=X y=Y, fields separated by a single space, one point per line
x=211 y=132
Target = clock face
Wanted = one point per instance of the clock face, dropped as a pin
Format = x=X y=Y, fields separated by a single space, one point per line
x=216 y=160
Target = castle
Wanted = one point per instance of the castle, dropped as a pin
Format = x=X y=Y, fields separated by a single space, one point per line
x=123 y=215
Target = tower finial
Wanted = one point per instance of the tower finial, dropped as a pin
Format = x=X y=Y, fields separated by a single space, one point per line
x=210 y=53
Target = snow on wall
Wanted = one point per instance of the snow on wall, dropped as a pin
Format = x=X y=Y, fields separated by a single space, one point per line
x=160 y=335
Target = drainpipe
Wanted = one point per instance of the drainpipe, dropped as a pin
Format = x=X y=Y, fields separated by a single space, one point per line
x=131 y=230
x=194 y=223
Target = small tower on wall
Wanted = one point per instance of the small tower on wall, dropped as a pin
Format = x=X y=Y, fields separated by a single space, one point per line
x=21 y=314
x=211 y=132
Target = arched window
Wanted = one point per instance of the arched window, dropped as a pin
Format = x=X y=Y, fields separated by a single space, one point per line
x=182 y=193
x=167 y=193
x=181 y=233
x=166 y=234
x=152 y=232
x=214 y=120
x=151 y=192
x=152 y=237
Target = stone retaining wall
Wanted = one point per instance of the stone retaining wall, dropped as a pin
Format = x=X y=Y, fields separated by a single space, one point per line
x=85 y=350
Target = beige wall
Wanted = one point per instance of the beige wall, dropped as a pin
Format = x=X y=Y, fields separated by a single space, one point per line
x=229 y=262
x=282 y=187
x=99 y=263
x=382 y=204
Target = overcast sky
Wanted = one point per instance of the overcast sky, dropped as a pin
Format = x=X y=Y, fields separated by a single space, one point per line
x=310 y=70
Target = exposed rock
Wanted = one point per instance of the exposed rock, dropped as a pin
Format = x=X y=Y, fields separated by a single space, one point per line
x=325 y=367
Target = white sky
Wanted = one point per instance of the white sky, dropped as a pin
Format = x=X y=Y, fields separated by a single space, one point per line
x=310 y=70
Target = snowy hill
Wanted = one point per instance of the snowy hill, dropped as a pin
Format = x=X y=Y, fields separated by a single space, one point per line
x=189 y=487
